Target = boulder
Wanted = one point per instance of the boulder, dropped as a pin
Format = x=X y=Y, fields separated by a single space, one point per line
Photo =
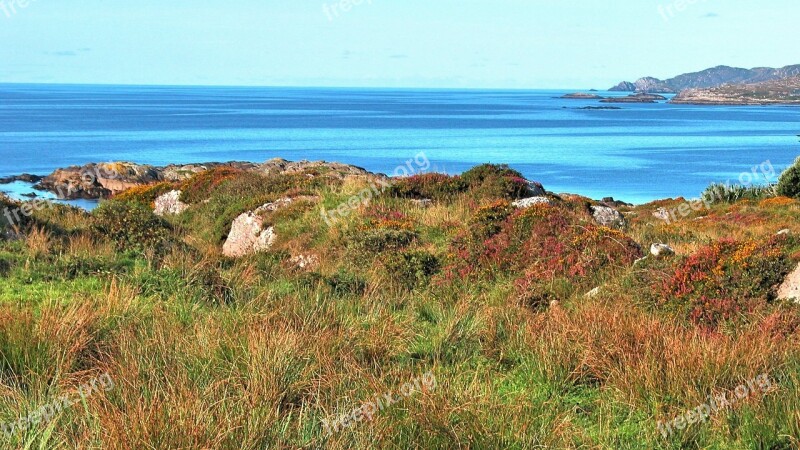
x=423 y=203
x=790 y=289
x=169 y=204
x=248 y=234
x=608 y=217
x=535 y=189
x=528 y=202
x=305 y=261
x=661 y=250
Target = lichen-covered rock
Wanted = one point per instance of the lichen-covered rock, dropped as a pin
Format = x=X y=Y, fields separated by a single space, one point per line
x=305 y=261
x=248 y=234
x=790 y=289
x=169 y=204
x=608 y=217
x=661 y=250
x=528 y=202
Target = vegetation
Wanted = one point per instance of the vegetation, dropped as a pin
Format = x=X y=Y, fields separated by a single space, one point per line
x=210 y=352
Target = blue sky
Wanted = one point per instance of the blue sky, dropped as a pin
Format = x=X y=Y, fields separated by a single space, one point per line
x=389 y=43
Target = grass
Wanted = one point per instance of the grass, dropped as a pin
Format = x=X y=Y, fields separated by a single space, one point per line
x=209 y=352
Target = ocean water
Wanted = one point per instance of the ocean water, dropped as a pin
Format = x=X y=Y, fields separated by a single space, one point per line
x=639 y=153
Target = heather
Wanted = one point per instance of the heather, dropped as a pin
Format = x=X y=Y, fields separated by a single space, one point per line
x=542 y=327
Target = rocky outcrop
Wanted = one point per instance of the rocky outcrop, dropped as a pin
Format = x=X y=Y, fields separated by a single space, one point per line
x=790 y=289
x=625 y=86
x=248 y=234
x=95 y=181
x=608 y=217
x=635 y=98
x=581 y=96
x=169 y=204
x=528 y=202
x=25 y=177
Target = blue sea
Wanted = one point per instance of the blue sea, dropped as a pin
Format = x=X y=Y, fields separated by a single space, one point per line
x=639 y=153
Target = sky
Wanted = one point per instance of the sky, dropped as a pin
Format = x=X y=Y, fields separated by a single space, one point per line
x=514 y=44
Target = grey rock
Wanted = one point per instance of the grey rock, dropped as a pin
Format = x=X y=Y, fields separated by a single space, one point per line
x=608 y=217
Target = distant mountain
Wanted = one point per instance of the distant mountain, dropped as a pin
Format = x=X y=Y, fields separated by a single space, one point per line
x=774 y=92
x=709 y=78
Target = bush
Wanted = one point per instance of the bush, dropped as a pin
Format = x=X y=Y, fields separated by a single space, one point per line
x=411 y=268
x=345 y=283
x=434 y=186
x=721 y=281
x=146 y=194
x=723 y=193
x=789 y=182
x=131 y=226
x=496 y=181
x=488 y=219
x=381 y=239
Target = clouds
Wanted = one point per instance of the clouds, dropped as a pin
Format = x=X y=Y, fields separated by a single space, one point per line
x=68 y=53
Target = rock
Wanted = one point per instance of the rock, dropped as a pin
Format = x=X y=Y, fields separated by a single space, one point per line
x=608 y=217
x=661 y=213
x=535 y=189
x=95 y=181
x=528 y=202
x=248 y=234
x=169 y=204
x=784 y=232
x=25 y=177
x=423 y=203
x=661 y=250
x=592 y=293
x=305 y=261
x=790 y=289
x=581 y=96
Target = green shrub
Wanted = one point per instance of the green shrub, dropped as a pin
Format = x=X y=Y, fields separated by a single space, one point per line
x=146 y=194
x=373 y=241
x=496 y=181
x=722 y=193
x=434 y=186
x=411 y=268
x=345 y=283
x=131 y=226
x=789 y=182
x=488 y=220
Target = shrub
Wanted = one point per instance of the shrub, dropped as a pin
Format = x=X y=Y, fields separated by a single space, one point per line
x=131 y=226
x=200 y=186
x=345 y=283
x=146 y=194
x=411 y=268
x=381 y=239
x=789 y=182
x=725 y=279
x=496 y=181
x=435 y=186
x=722 y=193
x=488 y=219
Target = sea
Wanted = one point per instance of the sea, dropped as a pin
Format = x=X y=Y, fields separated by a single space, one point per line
x=638 y=153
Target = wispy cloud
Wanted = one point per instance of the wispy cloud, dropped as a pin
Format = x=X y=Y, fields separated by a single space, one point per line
x=68 y=53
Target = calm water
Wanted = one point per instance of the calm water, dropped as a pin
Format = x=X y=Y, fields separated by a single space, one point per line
x=637 y=154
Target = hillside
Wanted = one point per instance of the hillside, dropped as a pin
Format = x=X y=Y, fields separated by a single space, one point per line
x=709 y=78
x=776 y=92
x=317 y=308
